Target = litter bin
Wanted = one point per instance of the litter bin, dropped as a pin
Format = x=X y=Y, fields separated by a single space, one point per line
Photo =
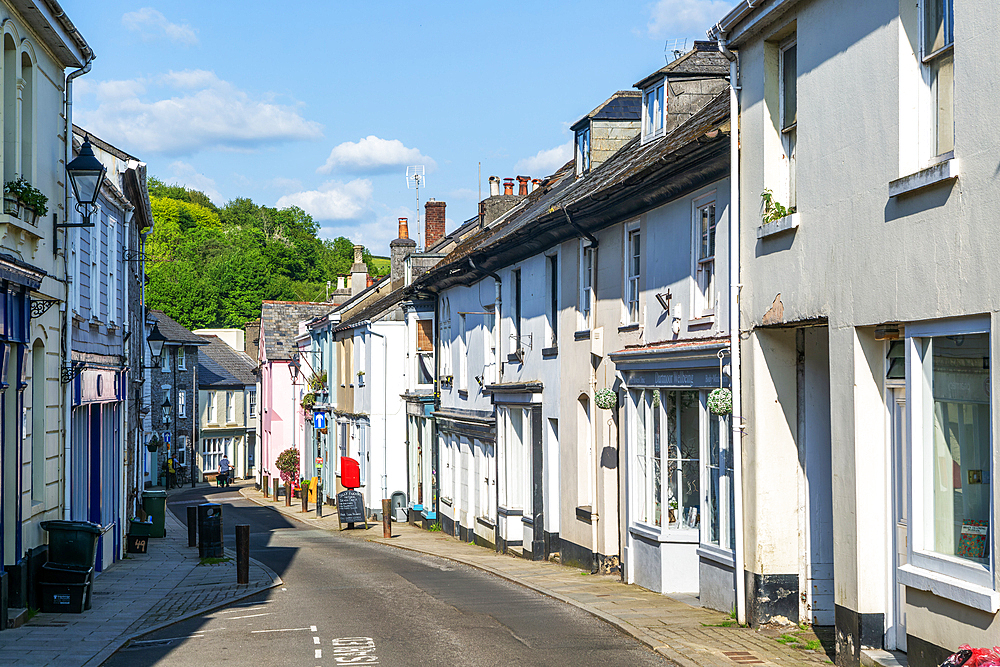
x=72 y=542
x=155 y=504
x=210 y=530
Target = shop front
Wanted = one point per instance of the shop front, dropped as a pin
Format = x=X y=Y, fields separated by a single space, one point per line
x=679 y=510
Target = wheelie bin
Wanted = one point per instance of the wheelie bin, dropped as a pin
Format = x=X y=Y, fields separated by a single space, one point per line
x=155 y=504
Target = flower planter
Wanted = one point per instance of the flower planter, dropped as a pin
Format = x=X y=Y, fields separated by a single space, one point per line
x=30 y=216
x=12 y=207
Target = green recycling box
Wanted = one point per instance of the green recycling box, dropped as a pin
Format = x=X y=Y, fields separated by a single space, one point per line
x=155 y=504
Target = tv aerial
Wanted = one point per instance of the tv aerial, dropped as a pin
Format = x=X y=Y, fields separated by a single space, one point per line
x=415 y=179
x=674 y=49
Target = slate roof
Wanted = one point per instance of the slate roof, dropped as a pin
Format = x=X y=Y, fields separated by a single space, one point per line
x=212 y=374
x=703 y=60
x=279 y=325
x=623 y=105
x=172 y=331
x=238 y=365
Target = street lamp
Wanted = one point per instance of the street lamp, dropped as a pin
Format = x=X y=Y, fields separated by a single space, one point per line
x=155 y=340
x=86 y=173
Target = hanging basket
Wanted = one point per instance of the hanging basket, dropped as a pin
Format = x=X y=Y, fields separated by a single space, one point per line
x=606 y=399
x=152 y=446
x=720 y=401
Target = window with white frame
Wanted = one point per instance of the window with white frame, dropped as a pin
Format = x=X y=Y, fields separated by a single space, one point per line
x=463 y=354
x=112 y=271
x=788 y=78
x=516 y=442
x=583 y=151
x=719 y=527
x=585 y=299
x=489 y=342
x=666 y=426
x=948 y=386
x=253 y=402
x=515 y=294
x=425 y=351
x=704 y=234
x=182 y=447
x=552 y=264
x=182 y=403
x=230 y=407
x=212 y=450
x=448 y=471
x=165 y=360
x=938 y=56
x=654 y=111
x=212 y=418
x=445 y=337
x=181 y=359
x=633 y=260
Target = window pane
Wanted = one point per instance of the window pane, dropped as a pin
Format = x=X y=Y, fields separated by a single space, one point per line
x=714 y=478
x=657 y=481
x=960 y=448
x=942 y=90
x=683 y=475
x=788 y=77
x=659 y=108
x=650 y=111
x=938 y=19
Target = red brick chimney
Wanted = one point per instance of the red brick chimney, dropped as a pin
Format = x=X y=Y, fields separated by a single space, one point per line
x=434 y=222
x=404 y=230
x=508 y=186
x=522 y=185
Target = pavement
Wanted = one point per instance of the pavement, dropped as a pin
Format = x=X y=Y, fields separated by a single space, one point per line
x=136 y=595
x=687 y=634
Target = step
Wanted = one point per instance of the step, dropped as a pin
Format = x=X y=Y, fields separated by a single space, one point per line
x=871 y=657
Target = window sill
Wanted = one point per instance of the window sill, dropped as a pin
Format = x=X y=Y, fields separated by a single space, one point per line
x=486 y=521
x=463 y=393
x=625 y=328
x=717 y=555
x=786 y=224
x=506 y=511
x=514 y=359
x=527 y=521
x=582 y=335
x=550 y=352
x=446 y=501
x=655 y=534
x=585 y=514
x=942 y=171
x=962 y=592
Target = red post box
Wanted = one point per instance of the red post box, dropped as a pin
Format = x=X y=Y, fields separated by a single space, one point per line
x=350 y=473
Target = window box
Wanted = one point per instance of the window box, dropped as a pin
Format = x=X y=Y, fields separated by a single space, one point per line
x=582 y=335
x=550 y=352
x=787 y=223
x=946 y=170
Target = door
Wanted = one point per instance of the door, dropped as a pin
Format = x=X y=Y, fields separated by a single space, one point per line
x=896 y=634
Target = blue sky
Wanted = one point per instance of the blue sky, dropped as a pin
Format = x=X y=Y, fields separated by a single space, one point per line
x=324 y=104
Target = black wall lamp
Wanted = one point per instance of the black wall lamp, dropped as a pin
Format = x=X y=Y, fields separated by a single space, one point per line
x=86 y=173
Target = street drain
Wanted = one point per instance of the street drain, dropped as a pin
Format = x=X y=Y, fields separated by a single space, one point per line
x=743 y=657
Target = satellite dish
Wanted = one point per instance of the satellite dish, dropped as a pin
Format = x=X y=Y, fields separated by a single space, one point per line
x=414 y=180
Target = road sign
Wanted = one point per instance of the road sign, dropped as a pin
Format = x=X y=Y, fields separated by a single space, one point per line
x=166 y=437
x=319 y=460
x=319 y=420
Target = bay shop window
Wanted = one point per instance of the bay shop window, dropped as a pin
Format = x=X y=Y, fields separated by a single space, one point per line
x=682 y=469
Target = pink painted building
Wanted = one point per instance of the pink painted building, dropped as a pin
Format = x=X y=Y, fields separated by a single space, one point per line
x=280 y=394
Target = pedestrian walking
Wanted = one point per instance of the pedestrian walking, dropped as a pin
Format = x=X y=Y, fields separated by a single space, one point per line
x=224 y=470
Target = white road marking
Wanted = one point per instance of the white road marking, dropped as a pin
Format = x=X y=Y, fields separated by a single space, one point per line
x=319 y=653
x=312 y=628
x=284 y=589
x=315 y=640
x=280 y=630
x=249 y=616
x=169 y=639
x=234 y=611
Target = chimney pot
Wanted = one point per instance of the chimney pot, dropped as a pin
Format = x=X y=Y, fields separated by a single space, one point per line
x=522 y=185
x=404 y=231
x=508 y=186
x=535 y=184
x=494 y=186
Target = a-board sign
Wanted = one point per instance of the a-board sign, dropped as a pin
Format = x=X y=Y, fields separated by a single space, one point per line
x=350 y=507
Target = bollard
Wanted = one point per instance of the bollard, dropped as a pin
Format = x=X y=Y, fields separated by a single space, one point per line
x=192 y=526
x=243 y=554
x=266 y=486
x=386 y=517
x=305 y=499
x=319 y=503
x=274 y=483
x=288 y=494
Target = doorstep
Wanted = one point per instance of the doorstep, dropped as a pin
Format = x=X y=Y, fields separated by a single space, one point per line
x=871 y=657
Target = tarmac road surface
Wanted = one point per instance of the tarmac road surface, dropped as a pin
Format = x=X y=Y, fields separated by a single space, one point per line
x=351 y=602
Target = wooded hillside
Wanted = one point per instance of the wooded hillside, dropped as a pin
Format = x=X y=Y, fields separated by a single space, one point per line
x=212 y=267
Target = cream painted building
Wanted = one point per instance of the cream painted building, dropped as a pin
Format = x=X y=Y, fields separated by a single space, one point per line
x=867 y=308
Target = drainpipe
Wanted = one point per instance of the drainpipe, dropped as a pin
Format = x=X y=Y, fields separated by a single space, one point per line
x=734 y=324
x=67 y=356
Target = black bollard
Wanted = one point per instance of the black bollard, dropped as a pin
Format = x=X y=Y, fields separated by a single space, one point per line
x=243 y=554
x=192 y=526
x=319 y=503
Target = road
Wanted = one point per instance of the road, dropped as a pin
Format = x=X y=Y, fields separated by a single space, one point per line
x=346 y=601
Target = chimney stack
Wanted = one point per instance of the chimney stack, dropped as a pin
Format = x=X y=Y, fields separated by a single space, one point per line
x=522 y=185
x=399 y=250
x=359 y=271
x=494 y=186
x=508 y=186
x=433 y=222
x=535 y=184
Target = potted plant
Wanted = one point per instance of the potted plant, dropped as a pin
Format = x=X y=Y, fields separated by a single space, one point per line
x=18 y=193
x=153 y=444
x=308 y=401
x=720 y=401
x=606 y=398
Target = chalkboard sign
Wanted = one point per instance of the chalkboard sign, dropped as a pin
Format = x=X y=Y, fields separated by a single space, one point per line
x=350 y=507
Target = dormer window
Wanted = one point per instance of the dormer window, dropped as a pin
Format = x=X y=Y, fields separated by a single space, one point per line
x=583 y=151
x=654 y=110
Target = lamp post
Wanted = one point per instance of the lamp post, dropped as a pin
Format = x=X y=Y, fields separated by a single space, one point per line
x=155 y=340
x=86 y=173
x=294 y=367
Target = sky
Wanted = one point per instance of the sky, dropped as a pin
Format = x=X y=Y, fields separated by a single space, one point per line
x=323 y=104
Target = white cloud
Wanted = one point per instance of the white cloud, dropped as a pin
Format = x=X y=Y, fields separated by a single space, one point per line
x=374 y=233
x=372 y=154
x=463 y=194
x=180 y=113
x=151 y=24
x=685 y=18
x=285 y=184
x=185 y=174
x=545 y=162
x=333 y=200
